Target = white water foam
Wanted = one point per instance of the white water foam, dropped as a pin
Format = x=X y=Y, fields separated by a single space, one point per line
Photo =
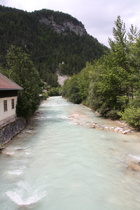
x=17 y=198
x=32 y=195
x=135 y=157
x=16 y=172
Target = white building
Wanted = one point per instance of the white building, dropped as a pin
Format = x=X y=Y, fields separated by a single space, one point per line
x=8 y=99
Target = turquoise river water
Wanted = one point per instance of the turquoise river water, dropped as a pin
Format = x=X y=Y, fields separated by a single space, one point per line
x=59 y=163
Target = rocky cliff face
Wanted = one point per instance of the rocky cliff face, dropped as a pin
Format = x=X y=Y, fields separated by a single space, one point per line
x=64 y=27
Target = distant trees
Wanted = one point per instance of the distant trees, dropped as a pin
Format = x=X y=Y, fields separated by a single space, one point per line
x=76 y=88
x=113 y=85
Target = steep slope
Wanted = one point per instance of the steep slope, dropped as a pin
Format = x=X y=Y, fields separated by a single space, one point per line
x=60 y=22
x=54 y=40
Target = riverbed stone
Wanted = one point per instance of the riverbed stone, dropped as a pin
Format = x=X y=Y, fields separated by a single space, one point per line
x=126 y=131
x=134 y=166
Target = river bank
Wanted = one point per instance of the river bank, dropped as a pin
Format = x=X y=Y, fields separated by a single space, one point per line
x=132 y=161
x=111 y=125
x=10 y=130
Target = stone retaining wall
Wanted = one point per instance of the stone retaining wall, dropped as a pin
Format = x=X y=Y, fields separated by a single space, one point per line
x=10 y=130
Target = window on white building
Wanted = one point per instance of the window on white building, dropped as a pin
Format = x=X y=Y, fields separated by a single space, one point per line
x=12 y=103
x=5 y=105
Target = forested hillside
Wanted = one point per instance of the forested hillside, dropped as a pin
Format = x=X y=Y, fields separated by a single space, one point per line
x=112 y=84
x=53 y=40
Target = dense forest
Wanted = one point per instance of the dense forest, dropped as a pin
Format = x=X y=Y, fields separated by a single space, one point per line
x=111 y=85
x=35 y=46
x=50 y=38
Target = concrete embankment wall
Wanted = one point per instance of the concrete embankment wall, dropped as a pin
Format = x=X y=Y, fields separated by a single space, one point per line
x=10 y=130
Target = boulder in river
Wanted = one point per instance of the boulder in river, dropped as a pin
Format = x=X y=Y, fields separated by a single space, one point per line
x=133 y=162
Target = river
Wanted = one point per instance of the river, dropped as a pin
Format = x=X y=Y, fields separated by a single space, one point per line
x=59 y=163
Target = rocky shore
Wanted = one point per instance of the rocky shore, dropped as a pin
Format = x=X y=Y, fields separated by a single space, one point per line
x=132 y=162
x=119 y=128
x=124 y=129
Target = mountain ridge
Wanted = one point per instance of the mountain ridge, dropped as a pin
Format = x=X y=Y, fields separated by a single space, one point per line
x=60 y=22
x=54 y=40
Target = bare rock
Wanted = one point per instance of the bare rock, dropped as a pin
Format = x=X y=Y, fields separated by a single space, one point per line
x=134 y=166
x=133 y=162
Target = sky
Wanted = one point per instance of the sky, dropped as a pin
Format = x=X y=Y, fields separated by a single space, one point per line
x=98 y=16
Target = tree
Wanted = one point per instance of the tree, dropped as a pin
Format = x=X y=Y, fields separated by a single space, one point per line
x=76 y=88
x=21 y=70
x=111 y=85
x=119 y=46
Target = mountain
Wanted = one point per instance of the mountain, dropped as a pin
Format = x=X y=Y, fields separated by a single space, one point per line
x=60 y=22
x=55 y=41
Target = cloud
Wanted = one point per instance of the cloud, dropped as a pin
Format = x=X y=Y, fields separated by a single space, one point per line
x=3 y=2
x=98 y=16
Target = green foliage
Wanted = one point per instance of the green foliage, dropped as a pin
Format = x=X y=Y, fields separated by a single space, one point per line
x=55 y=91
x=21 y=70
x=111 y=85
x=132 y=116
x=131 y=113
x=46 y=47
x=119 y=46
x=76 y=88
x=44 y=96
x=71 y=90
x=115 y=79
x=113 y=114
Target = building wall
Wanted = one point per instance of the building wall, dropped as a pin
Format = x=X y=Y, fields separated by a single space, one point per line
x=10 y=130
x=10 y=114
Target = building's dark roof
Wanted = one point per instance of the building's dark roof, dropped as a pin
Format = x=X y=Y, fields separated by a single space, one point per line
x=7 y=84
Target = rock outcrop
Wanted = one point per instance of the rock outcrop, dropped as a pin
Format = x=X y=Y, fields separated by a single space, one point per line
x=65 y=26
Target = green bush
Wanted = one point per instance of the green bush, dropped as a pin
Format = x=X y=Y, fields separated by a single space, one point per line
x=132 y=116
x=44 y=96
x=54 y=91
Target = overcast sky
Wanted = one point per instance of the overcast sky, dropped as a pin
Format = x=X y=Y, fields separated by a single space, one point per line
x=98 y=16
